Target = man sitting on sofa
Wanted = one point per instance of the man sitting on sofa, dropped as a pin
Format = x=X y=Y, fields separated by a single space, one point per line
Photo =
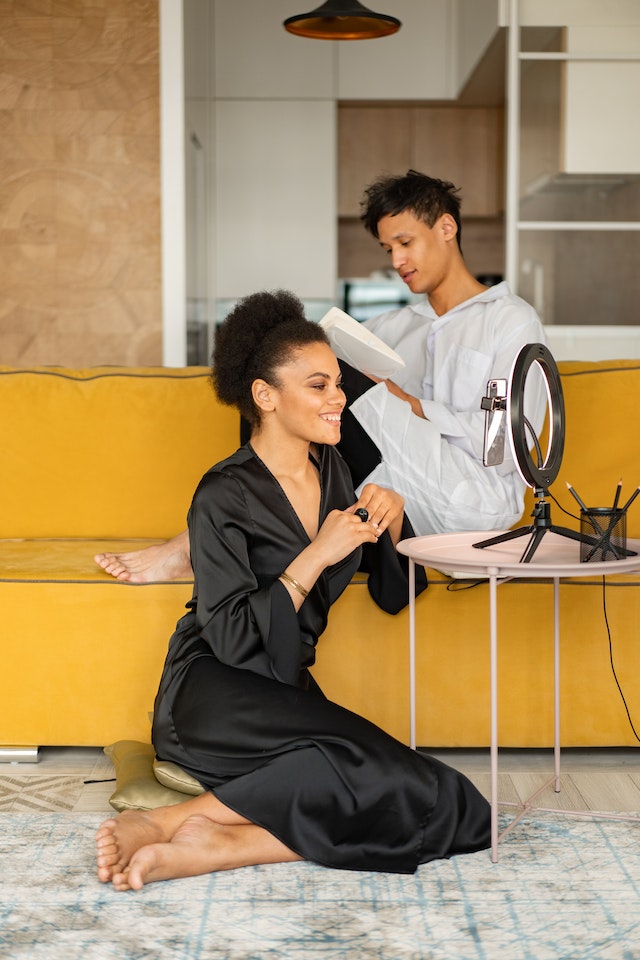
x=423 y=434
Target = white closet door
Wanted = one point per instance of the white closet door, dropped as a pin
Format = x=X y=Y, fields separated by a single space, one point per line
x=276 y=200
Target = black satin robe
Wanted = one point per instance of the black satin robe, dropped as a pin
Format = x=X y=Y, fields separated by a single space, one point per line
x=239 y=710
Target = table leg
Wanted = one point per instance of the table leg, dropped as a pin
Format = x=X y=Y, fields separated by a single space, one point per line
x=556 y=683
x=493 y=629
x=412 y=654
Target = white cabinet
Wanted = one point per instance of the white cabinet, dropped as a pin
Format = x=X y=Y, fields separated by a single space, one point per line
x=262 y=175
x=600 y=101
x=275 y=197
x=581 y=110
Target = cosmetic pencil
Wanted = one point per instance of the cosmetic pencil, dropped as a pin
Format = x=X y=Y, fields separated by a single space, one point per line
x=631 y=499
x=577 y=498
x=617 y=496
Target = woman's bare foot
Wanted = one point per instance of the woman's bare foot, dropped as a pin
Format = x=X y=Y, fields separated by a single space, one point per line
x=194 y=850
x=201 y=846
x=119 y=837
x=159 y=562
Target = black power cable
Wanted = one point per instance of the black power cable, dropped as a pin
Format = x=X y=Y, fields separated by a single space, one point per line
x=606 y=621
x=613 y=669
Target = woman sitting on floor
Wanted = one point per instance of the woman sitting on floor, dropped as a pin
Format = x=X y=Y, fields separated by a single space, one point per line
x=275 y=539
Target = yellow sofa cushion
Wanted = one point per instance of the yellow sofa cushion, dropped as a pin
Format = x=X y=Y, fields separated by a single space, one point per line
x=601 y=441
x=82 y=652
x=106 y=451
x=64 y=561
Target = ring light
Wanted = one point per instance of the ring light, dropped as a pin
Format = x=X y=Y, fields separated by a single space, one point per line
x=541 y=475
x=536 y=475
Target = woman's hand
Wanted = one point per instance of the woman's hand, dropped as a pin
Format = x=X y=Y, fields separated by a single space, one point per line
x=341 y=533
x=385 y=508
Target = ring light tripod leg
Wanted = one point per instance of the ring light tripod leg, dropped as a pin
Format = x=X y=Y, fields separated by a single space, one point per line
x=503 y=537
x=533 y=544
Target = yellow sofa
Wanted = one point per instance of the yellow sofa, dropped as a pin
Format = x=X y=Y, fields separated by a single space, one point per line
x=107 y=458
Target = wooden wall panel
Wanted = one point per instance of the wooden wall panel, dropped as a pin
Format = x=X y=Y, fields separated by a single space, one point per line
x=372 y=141
x=80 y=279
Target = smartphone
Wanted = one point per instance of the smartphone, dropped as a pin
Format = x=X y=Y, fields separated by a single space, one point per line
x=495 y=422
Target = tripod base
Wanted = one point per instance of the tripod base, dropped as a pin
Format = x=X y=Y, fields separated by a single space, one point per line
x=535 y=531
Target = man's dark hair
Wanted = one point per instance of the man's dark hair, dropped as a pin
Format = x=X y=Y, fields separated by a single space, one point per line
x=425 y=197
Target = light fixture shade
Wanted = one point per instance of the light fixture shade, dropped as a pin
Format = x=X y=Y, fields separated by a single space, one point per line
x=342 y=20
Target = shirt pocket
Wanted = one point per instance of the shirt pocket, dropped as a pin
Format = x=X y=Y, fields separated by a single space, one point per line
x=461 y=380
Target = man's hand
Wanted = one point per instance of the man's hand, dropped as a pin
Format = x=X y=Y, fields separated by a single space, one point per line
x=414 y=403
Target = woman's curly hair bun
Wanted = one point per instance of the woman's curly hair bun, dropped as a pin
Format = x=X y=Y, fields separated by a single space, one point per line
x=257 y=336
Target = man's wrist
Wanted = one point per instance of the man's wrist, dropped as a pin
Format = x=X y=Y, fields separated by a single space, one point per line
x=416 y=406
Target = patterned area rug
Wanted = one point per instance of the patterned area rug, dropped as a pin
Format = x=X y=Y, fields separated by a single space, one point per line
x=29 y=793
x=564 y=888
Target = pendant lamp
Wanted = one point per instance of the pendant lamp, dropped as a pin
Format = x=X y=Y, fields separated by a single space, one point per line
x=342 y=20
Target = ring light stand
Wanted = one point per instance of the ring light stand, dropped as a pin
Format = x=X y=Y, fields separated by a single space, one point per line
x=537 y=476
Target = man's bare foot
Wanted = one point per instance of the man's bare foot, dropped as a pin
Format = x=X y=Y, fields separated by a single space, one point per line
x=159 y=562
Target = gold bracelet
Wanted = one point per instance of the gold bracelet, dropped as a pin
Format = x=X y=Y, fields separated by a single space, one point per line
x=294 y=583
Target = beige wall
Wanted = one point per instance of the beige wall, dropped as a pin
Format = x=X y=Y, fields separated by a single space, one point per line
x=80 y=279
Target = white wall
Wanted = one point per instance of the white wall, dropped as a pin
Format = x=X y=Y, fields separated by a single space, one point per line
x=419 y=62
x=476 y=22
x=255 y=58
x=174 y=346
x=593 y=343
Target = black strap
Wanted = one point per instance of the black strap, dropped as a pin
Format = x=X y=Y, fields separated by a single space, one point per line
x=356 y=446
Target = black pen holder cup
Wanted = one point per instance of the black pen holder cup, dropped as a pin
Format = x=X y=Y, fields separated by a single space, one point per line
x=605 y=531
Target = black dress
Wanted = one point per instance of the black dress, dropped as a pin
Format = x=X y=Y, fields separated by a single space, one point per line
x=239 y=710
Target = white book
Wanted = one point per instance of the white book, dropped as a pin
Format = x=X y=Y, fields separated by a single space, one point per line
x=357 y=346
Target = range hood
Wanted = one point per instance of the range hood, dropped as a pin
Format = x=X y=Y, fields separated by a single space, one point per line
x=581 y=196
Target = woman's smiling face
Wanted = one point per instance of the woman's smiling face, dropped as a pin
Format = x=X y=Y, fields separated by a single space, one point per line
x=308 y=398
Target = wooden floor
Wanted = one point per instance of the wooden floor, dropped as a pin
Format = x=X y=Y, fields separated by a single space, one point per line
x=603 y=779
